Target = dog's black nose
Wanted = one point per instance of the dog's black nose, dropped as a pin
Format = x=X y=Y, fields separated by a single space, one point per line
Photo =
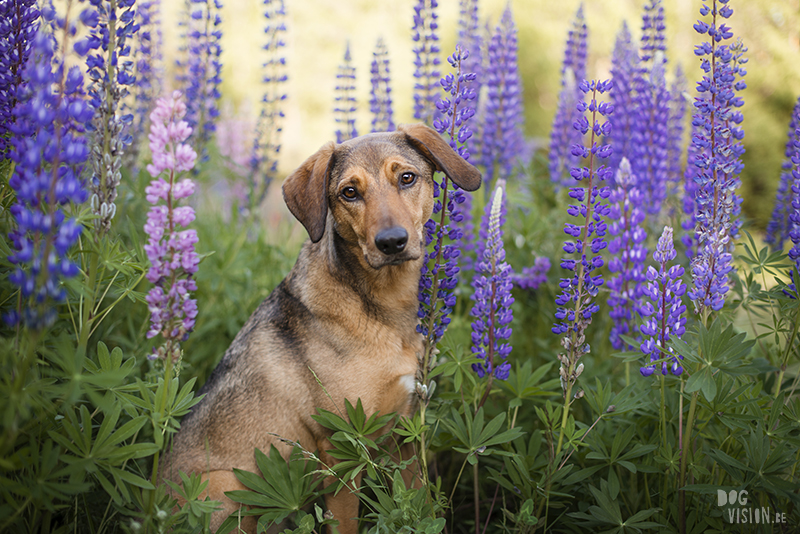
x=391 y=241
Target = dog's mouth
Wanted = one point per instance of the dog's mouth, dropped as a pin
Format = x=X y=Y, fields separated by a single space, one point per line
x=378 y=262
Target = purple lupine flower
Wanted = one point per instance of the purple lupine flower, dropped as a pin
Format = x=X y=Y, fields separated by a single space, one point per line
x=149 y=74
x=677 y=118
x=650 y=136
x=426 y=60
x=439 y=272
x=49 y=149
x=629 y=254
x=491 y=326
x=111 y=70
x=470 y=38
x=534 y=276
x=718 y=160
x=267 y=143
x=664 y=312
x=653 y=34
x=18 y=25
x=583 y=285
x=345 y=99
x=563 y=135
x=794 y=214
x=778 y=226
x=689 y=220
x=204 y=70
x=624 y=67
x=380 y=103
x=501 y=140
x=173 y=260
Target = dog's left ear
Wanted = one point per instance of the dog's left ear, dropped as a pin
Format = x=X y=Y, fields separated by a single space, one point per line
x=431 y=145
x=305 y=191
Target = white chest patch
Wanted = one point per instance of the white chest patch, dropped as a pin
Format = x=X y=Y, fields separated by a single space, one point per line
x=408 y=382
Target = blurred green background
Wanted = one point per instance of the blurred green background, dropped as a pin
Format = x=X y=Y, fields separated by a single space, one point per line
x=319 y=30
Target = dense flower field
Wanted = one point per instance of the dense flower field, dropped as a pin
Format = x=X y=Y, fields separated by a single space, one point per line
x=638 y=372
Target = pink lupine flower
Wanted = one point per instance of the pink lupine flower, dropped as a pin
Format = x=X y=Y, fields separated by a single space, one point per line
x=173 y=260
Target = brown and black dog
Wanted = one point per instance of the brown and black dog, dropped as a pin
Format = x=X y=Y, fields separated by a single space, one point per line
x=347 y=311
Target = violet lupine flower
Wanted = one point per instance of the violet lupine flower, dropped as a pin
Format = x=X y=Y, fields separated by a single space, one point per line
x=491 y=326
x=267 y=143
x=18 y=25
x=439 y=272
x=501 y=132
x=563 y=135
x=664 y=312
x=650 y=137
x=426 y=60
x=778 y=226
x=204 y=70
x=380 y=103
x=718 y=160
x=149 y=73
x=677 y=117
x=624 y=67
x=628 y=254
x=689 y=222
x=574 y=305
x=794 y=214
x=111 y=71
x=345 y=110
x=653 y=34
x=49 y=150
x=534 y=276
x=470 y=38
x=173 y=260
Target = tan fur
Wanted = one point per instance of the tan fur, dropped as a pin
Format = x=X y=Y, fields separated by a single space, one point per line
x=347 y=311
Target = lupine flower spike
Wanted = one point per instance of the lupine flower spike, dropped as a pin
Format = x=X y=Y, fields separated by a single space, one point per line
x=624 y=67
x=491 y=326
x=664 y=311
x=267 y=144
x=170 y=250
x=501 y=132
x=628 y=254
x=574 y=305
x=794 y=212
x=779 y=226
x=111 y=25
x=345 y=109
x=149 y=73
x=18 y=24
x=426 y=59
x=50 y=151
x=563 y=135
x=534 y=276
x=380 y=103
x=440 y=269
x=718 y=157
x=204 y=70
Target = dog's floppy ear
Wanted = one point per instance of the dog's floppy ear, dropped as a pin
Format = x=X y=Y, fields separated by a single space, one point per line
x=305 y=191
x=431 y=145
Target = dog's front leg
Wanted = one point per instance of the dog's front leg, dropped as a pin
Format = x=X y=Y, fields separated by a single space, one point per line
x=344 y=504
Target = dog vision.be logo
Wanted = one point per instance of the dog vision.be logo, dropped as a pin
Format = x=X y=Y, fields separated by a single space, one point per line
x=739 y=513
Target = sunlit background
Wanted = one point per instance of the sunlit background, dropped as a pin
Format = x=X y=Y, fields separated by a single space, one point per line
x=319 y=31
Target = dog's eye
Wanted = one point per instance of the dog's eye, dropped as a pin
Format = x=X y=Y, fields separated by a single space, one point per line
x=408 y=178
x=350 y=193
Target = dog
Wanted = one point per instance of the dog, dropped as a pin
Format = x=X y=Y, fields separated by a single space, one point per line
x=347 y=311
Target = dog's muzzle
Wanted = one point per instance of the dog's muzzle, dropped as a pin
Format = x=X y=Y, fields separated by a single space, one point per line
x=392 y=240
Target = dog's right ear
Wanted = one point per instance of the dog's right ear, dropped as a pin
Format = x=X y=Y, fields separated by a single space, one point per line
x=305 y=191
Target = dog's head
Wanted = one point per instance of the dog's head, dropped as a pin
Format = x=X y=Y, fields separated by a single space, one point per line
x=376 y=191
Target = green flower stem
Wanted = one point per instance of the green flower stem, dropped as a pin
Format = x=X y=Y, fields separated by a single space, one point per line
x=687 y=437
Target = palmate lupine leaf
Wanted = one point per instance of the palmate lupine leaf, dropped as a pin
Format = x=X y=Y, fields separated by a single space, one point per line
x=477 y=437
x=280 y=489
